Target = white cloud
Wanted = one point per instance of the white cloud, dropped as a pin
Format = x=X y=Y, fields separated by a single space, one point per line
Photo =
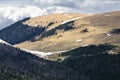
x=5 y=22
x=59 y=9
x=17 y=13
x=87 y=6
x=11 y=14
x=47 y=2
x=14 y=12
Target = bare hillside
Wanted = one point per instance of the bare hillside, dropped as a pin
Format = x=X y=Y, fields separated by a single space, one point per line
x=90 y=29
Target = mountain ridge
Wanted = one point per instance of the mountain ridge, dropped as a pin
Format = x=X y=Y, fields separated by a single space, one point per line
x=86 y=30
x=90 y=29
x=18 y=64
x=82 y=48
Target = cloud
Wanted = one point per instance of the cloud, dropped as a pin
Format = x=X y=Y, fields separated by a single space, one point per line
x=11 y=14
x=5 y=22
x=98 y=7
x=87 y=6
x=47 y=2
x=59 y=9
x=12 y=11
x=17 y=13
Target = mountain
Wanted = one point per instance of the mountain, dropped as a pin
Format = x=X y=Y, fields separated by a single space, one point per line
x=32 y=29
x=94 y=62
x=78 y=31
x=19 y=32
x=28 y=28
x=4 y=42
x=86 y=48
x=16 y=64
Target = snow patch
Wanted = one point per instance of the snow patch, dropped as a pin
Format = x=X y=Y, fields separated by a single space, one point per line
x=79 y=40
x=45 y=54
x=107 y=15
x=3 y=42
x=84 y=45
x=61 y=51
x=108 y=34
x=38 y=53
x=70 y=20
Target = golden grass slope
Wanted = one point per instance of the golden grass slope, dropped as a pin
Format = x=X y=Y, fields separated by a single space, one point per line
x=90 y=29
x=55 y=18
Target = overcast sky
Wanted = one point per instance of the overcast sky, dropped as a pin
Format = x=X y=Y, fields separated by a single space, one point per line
x=14 y=10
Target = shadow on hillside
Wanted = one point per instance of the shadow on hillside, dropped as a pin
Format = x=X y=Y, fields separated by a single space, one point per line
x=67 y=26
x=18 y=32
x=94 y=63
x=89 y=50
x=16 y=64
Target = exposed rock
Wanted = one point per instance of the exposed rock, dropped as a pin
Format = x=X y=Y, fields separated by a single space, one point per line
x=85 y=30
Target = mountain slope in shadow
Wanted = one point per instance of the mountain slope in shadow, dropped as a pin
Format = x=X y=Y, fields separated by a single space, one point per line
x=93 y=62
x=18 y=32
x=16 y=64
